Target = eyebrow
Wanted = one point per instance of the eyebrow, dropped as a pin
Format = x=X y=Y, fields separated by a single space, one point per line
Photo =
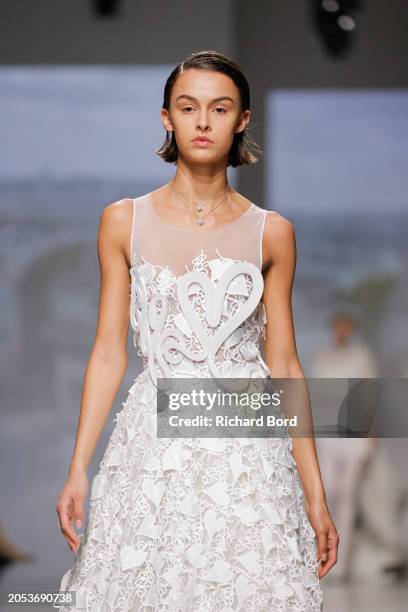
x=195 y=99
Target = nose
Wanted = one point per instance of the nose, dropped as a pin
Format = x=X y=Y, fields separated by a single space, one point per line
x=203 y=122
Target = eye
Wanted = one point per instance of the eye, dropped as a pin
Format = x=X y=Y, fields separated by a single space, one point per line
x=219 y=108
x=186 y=108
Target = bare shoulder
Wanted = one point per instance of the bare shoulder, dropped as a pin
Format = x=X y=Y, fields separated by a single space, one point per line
x=116 y=222
x=276 y=225
x=117 y=213
x=279 y=236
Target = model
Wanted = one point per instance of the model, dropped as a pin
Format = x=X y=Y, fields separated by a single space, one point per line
x=215 y=524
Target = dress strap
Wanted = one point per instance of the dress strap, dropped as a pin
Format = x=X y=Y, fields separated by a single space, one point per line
x=261 y=235
x=132 y=235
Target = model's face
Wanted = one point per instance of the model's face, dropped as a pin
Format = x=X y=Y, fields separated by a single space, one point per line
x=342 y=330
x=207 y=104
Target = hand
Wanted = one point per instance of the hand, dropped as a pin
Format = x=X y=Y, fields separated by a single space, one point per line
x=326 y=534
x=70 y=506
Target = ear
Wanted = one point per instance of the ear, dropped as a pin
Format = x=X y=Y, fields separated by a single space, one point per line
x=165 y=117
x=243 y=121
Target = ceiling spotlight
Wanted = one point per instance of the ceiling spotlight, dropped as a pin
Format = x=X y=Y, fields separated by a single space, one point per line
x=335 y=24
x=346 y=22
x=330 y=5
x=106 y=8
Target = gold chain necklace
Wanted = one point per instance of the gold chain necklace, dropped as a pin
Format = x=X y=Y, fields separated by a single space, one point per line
x=200 y=218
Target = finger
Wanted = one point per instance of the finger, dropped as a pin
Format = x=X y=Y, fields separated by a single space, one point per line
x=65 y=510
x=322 y=545
x=333 y=545
x=326 y=566
x=73 y=543
x=67 y=529
x=79 y=513
x=71 y=546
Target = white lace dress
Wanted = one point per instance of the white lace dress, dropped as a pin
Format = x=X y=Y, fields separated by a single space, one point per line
x=194 y=524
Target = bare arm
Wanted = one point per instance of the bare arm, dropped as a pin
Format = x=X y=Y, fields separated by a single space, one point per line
x=107 y=360
x=281 y=357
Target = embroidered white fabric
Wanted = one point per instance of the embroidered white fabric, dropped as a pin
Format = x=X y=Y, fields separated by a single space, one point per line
x=194 y=524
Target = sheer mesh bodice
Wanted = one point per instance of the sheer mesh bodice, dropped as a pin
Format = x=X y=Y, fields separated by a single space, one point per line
x=194 y=524
x=203 y=291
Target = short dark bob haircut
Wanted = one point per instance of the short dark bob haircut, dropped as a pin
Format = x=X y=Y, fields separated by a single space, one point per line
x=243 y=147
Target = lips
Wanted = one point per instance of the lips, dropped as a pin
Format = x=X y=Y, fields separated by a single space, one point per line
x=202 y=140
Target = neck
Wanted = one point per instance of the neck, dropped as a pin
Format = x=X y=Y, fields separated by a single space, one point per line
x=200 y=186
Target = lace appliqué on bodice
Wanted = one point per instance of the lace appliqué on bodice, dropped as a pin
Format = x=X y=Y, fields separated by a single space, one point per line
x=205 y=322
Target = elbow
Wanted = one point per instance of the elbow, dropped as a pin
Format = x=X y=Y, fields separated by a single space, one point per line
x=111 y=353
x=286 y=369
x=296 y=370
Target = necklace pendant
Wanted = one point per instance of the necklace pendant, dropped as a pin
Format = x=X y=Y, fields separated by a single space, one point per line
x=199 y=208
x=200 y=221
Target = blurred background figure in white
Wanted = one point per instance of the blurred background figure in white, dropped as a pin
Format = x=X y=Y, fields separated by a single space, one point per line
x=363 y=492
